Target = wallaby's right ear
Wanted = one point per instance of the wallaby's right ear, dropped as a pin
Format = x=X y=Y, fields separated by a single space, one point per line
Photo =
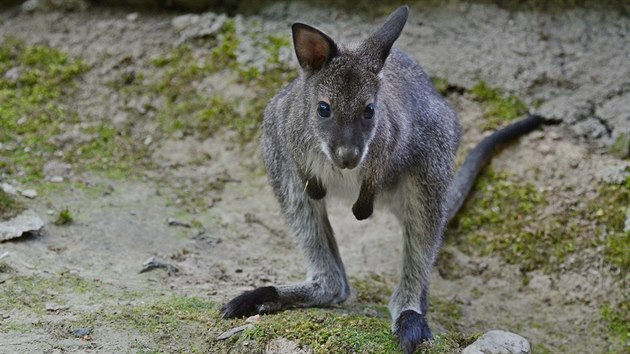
x=312 y=47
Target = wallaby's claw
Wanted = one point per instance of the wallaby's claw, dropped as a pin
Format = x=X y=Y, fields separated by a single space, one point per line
x=362 y=211
x=411 y=329
x=259 y=300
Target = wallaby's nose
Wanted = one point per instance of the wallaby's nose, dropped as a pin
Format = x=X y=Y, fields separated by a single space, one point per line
x=348 y=157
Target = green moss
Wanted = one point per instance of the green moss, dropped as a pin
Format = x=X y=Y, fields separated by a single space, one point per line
x=506 y=218
x=618 y=319
x=31 y=292
x=64 y=217
x=621 y=146
x=441 y=85
x=9 y=206
x=326 y=331
x=445 y=312
x=372 y=288
x=33 y=80
x=499 y=109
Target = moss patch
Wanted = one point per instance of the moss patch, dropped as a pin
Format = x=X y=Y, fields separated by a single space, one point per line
x=618 y=319
x=372 y=288
x=498 y=108
x=33 y=80
x=64 y=217
x=185 y=107
x=506 y=217
x=9 y=206
x=31 y=292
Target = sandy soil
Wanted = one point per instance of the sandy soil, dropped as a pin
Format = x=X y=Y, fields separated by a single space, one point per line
x=239 y=240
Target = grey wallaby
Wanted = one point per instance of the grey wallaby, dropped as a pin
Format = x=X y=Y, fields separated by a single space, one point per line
x=365 y=123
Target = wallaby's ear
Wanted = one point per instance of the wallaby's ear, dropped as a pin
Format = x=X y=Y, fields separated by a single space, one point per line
x=376 y=48
x=312 y=47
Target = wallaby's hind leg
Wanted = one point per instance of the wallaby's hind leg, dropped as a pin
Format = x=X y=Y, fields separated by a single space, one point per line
x=326 y=282
x=422 y=225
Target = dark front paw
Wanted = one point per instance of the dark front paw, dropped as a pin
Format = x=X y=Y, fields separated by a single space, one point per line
x=362 y=211
x=314 y=189
x=264 y=299
x=411 y=329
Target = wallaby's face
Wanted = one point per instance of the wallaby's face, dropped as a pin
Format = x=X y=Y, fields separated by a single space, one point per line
x=343 y=110
x=341 y=87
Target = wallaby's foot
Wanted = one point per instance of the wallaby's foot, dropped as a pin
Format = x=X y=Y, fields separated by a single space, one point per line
x=271 y=298
x=259 y=300
x=314 y=189
x=411 y=328
x=362 y=211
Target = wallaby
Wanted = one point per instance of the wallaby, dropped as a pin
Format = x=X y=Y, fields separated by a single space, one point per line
x=364 y=122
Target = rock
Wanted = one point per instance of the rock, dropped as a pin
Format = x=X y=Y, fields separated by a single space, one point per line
x=51 y=306
x=499 y=342
x=284 y=346
x=132 y=16
x=229 y=333
x=25 y=222
x=8 y=189
x=13 y=75
x=51 y=5
x=184 y=21
x=29 y=193
x=81 y=332
x=195 y=26
x=56 y=168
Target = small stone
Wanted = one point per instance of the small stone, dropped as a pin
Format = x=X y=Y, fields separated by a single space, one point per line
x=148 y=140
x=229 y=333
x=56 y=179
x=252 y=319
x=370 y=312
x=132 y=16
x=184 y=21
x=51 y=306
x=27 y=221
x=29 y=193
x=81 y=332
x=13 y=75
x=8 y=189
x=544 y=148
x=499 y=342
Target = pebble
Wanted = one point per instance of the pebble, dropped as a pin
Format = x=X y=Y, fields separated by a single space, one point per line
x=132 y=16
x=499 y=342
x=8 y=189
x=229 y=333
x=29 y=193
x=81 y=332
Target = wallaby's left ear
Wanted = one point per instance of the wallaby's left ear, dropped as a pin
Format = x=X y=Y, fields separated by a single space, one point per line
x=376 y=48
x=313 y=48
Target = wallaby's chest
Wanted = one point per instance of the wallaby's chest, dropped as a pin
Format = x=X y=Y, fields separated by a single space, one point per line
x=339 y=183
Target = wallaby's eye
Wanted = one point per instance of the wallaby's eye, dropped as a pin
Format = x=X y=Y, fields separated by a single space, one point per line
x=323 y=109
x=369 y=111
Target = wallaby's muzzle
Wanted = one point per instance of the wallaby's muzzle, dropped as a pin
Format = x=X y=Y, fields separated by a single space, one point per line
x=346 y=157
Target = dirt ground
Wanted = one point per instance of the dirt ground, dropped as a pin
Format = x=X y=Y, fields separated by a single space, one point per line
x=234 y=237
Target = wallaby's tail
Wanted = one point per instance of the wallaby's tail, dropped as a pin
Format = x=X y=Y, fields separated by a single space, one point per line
x=479 y=156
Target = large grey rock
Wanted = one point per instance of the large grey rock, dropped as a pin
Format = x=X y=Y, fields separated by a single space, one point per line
x=499 y=342
x=17 y=226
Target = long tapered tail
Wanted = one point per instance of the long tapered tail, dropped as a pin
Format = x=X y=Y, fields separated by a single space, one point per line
x=479 y=157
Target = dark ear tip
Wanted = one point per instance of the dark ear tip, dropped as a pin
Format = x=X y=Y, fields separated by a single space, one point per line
x=402 y=11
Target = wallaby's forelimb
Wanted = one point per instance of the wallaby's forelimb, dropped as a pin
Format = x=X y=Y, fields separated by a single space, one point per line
x=364 y=206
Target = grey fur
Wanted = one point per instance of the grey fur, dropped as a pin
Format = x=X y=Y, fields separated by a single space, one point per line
x=406 y=153
x=407 y=150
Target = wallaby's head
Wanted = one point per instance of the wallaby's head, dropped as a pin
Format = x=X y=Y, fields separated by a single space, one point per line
x=341 y=85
